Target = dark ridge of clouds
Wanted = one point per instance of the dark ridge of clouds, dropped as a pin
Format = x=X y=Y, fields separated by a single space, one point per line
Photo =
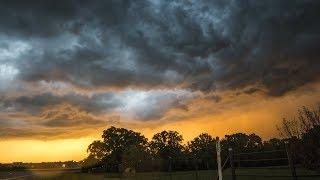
x=42 y=133
x=30 y=133
x=60 y=121
x=139 y=105
x=69 y=116
x=34 y=104
x=251 y=90
x=203 y=45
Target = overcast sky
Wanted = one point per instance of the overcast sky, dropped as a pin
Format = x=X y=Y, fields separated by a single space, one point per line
x=68 y=68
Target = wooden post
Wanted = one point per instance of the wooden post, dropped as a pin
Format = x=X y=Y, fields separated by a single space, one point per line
x=197 y=174
x=290 y=161
x=233 y=171
x=152 y=167
x=218 y=148
x=170 y=169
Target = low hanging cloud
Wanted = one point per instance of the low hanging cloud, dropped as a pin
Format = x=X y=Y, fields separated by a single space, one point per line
x=66 y=116
x=137 y=105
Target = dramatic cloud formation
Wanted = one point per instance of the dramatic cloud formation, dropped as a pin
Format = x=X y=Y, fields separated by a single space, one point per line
x=79 y=64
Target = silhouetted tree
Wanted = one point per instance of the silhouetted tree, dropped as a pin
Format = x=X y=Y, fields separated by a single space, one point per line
x=120 y=140
x=97 y=149
x=90 y=161
x=119 y=146
x=241 y=142
x=303 y=134
x=273 y=144
x=307 y=120
x=202 y=147
x=166 y=145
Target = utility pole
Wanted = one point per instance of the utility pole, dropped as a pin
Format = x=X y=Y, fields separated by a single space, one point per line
x=218 y=148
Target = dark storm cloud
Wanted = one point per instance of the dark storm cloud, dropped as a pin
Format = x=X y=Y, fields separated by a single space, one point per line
x=34 y=104
x=202 y=45
x=251 y=90
x=28 y=132
x=36 y=17
x=139 y=105
x=68 y=116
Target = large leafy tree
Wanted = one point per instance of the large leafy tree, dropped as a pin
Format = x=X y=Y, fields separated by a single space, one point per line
x=90 y=161
x=202 y=147
x=167 y=145
x=117 y=145
x=97 y=150
x=120 y=140
x=241 y=142
x=273 y=144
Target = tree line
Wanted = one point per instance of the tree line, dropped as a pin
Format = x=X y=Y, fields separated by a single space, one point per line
x=120 y=146
x=127 y=148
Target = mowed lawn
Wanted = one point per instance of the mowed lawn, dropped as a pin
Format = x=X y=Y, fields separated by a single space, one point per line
x=244 y=174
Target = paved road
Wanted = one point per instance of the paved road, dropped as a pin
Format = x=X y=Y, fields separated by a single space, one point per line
x=28 y=174
x=15 y=174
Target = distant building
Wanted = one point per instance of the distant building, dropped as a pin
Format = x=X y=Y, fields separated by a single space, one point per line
x=17 y=164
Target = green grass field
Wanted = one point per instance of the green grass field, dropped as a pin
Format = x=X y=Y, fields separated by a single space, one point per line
x=255 y=174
